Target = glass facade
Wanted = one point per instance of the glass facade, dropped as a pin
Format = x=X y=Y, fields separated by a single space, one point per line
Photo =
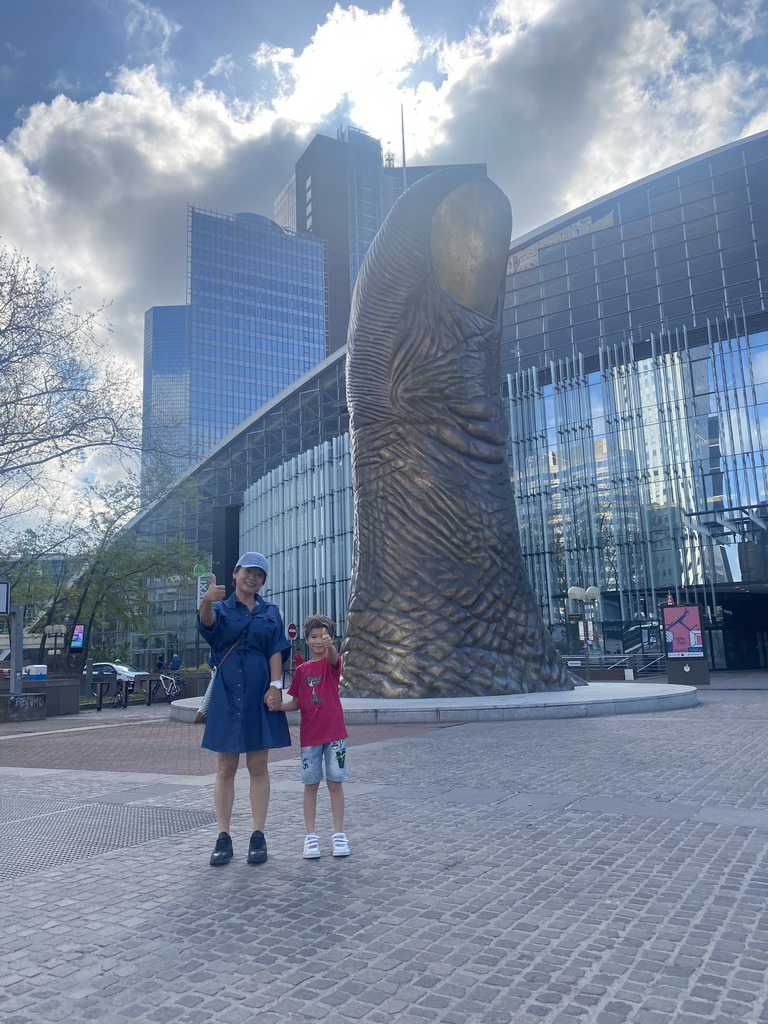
x=301 y=516
x=649 y=477
x=682 y=247
x=254 y=322
x=634 y=346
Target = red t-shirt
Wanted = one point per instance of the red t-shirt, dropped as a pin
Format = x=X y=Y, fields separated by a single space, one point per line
x=315 y=685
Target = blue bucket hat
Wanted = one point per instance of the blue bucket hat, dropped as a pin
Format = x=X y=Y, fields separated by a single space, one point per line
x=253 y=560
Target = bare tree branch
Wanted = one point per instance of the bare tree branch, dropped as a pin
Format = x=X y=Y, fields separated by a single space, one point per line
x=62 y=391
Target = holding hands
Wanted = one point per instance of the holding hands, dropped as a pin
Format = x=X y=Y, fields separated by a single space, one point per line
x=273 y=698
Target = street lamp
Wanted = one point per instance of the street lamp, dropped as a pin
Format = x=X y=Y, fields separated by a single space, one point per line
x=582 y=598
x=56 y=630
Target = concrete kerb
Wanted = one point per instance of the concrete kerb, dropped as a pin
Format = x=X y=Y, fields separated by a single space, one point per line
x=605 y=698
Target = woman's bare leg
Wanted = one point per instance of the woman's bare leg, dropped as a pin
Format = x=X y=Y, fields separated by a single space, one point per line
x=256 y=762
x=224 y=789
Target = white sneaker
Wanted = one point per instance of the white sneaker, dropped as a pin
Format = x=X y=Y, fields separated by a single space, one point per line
x=340 y=845
x=312 y=847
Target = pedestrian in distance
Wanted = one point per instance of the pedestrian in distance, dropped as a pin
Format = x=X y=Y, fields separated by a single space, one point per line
x=315 y=694
x=175 y=664
x=248 y=650
x=159 y=664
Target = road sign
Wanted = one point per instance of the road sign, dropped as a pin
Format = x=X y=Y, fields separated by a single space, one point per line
x=5 y=597
x=199 y=570
x=293 y=630
x=202 y=586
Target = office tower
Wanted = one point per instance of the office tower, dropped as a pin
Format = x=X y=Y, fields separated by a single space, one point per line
x=336 y=192
x=165 y=408
x=341 y=191
x=255 y=320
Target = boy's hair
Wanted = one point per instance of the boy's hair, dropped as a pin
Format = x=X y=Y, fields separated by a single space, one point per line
x=319 y=622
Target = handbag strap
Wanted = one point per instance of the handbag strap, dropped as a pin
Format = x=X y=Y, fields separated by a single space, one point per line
x=234 y=645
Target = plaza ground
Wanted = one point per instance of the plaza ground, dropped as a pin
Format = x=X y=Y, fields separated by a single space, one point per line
x=601 y=870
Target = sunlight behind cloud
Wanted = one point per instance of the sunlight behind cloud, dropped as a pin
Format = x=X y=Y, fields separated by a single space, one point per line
x=564 y=100
x=362 y=62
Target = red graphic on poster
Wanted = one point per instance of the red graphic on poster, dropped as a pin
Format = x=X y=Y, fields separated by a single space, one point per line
x=682 y=630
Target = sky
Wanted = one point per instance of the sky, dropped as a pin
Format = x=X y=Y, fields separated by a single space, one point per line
x=115 y=114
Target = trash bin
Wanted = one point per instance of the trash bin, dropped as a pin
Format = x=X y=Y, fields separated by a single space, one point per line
x=35 y=671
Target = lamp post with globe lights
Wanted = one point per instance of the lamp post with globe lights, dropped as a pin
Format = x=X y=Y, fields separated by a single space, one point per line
x=584 y=599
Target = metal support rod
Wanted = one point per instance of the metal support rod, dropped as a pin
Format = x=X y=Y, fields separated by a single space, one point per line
x=17 y=646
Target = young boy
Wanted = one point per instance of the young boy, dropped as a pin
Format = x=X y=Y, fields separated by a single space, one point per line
x=315 y=693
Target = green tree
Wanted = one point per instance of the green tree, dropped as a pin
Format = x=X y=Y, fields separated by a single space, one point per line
x=95 y=571
x=118 y=567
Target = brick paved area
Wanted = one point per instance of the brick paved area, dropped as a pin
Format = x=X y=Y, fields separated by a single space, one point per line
x=138 y=739
x=603 y=870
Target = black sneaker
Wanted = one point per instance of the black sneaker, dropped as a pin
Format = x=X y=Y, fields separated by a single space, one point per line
x=257 y=848
x=222 y=851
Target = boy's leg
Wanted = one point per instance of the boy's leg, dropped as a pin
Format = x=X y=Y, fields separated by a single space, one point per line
x=336 y=794
x=335 y=775
x=310 y=806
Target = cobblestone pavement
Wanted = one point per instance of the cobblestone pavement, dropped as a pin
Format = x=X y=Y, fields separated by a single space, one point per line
x=561 y=871
x=139 y=739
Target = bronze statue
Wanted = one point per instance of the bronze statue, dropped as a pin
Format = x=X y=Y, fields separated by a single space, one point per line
x=440 y=604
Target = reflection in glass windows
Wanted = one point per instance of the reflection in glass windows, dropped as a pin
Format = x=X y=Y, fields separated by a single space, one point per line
x=648 y=475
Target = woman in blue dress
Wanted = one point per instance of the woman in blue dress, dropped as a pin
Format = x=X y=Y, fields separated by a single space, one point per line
x=248 y=648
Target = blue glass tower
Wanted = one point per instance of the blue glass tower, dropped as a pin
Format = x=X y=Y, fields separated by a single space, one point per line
x=165 y=409
x=254 y=322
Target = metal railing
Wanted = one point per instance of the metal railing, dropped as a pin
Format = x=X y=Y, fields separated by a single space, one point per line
x=638 y=664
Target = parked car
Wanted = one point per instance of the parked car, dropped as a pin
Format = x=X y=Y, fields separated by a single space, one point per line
x=114 y=672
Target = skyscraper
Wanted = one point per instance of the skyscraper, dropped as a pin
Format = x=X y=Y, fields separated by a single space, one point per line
x=337 y=196
x=341 y=191
x=254 y=321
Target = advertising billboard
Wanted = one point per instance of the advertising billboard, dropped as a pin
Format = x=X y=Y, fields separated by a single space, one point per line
x=78 y=633
x=682 y=631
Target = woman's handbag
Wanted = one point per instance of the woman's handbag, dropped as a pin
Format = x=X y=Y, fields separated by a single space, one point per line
x=202 y=712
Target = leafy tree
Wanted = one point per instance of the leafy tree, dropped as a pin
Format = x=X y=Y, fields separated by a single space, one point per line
x=100 y=572
x=113 y=585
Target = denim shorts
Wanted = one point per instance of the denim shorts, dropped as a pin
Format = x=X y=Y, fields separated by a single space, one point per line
x=335 y=757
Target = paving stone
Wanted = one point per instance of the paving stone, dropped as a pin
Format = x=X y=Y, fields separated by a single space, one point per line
x=545 y=912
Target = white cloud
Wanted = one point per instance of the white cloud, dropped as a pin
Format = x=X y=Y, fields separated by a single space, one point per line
x=569 y=99
x=564 y=99
x=360 y=63
x=224 y=65
x=99 y=189
x=150 y=32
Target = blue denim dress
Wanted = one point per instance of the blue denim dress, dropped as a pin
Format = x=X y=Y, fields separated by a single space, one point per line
x=238 y=719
